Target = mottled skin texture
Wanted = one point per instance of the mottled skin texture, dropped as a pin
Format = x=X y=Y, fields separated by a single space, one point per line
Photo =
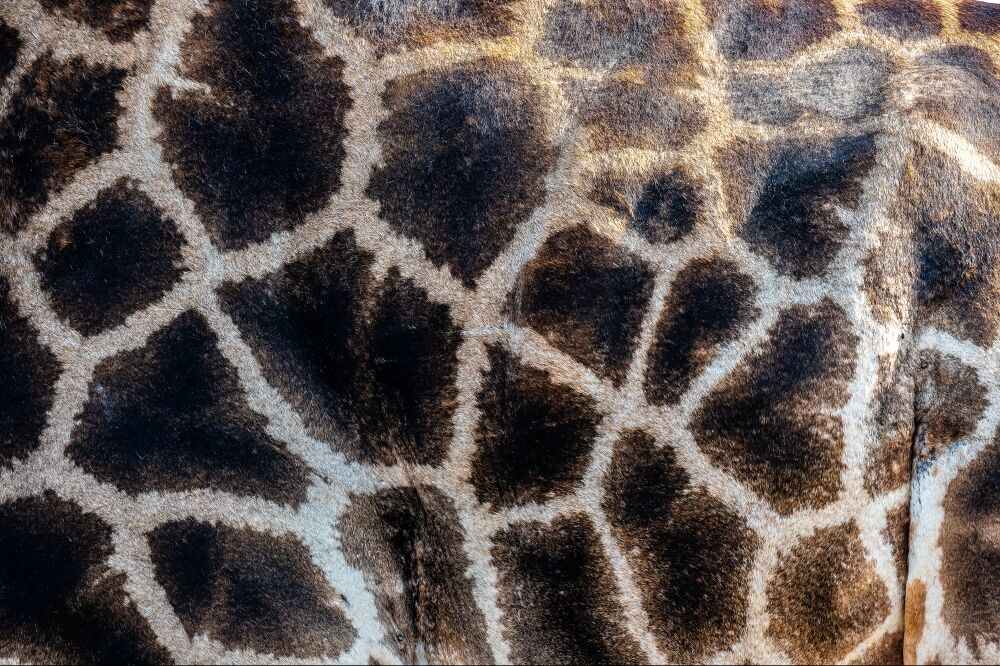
x=472 y=331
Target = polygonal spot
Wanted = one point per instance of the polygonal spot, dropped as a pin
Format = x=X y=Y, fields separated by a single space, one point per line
x=690 y=555
x=850 y=85
x=391 y=26
x=949 y=402
x=710 y=301
x=662 y=208
x=534 y=437
x=825 y=596
x=623 y=113
x=171 y=416
x=370 y=366
x=770 y=29
x=794 y=221
x=63 y=116
x=615 y=34
x=59 y=600
x=29 y=372
x=902 y=19
x=262 y=147
x=249 y=590
x=409 y=544
x=970 y=557
x=772 y=422
x=668 y=208
x=465 y=157
x=587 y=297
x=557 y=592
x=115 y=255
x=118 y=19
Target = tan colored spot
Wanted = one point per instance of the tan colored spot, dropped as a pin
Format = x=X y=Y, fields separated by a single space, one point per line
x=916 y=600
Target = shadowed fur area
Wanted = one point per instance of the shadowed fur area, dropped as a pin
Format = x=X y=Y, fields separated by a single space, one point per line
x=499 y=331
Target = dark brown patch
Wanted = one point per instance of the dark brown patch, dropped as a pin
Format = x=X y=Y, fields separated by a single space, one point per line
x=264 y=149
x=616 y=34
x=793 y=221
x=558 y=595
x=116 y=255
x=10 y=46
x=29 y=372
x=370 y=366
x=118 y=19
x=690 y=554
x=662 y=208
x=950 y=400
x=770 y=422
x=394 y=24
x=171 y=416
x=825 y=597
x=902 y=19
x=534 y=437
x=668 y=208
x=466 y=155
x=971 y=550
x=851 y=85
x=59 y=600
x=587 y=297
x=770 y=29
x=709 y=302
x=888 y=465
x=409 y=543
x=977 y=16
x=250 y=590
x=62 y=117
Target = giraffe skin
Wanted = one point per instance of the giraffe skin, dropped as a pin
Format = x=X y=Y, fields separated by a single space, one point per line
x=534 y=331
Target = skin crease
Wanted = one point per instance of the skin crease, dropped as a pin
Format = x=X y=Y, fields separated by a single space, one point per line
x=484 y=331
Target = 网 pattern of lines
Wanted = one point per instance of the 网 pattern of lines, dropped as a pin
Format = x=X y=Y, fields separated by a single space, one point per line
x=641 y=348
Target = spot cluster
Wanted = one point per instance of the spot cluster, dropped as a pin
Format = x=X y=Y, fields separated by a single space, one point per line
x=442 y=400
